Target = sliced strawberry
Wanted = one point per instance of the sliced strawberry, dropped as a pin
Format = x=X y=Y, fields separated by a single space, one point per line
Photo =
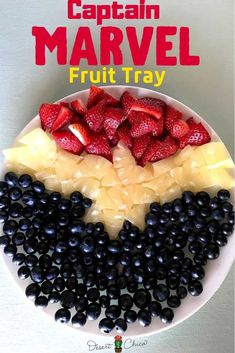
x=152 y=106
x=95 y=116
x=139 y=145
x=158 y=131
x=68 y=141
x=82 y=132
x=95 y=96
x=48 y=114
x=127 y=100
x=123 y=134
x=196 y=136
x=179 y=129
x=110 y=100
x=64 y=104
x=143 y=124
x=112 y=119
x=64 y=117
x=172 y=115
x=157 y=150
x=132 y=116
x=114 y=141
x=191 y=121
x=100 y=146
x=79 y=107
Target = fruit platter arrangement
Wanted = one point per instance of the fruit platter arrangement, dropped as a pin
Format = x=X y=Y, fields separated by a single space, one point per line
x=113 y=208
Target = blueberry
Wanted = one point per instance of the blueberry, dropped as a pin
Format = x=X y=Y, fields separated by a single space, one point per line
x=10 y=250
x=191 y=210
x=150 y=283
x=86 y=202
x=220 y=239
x=114 y=246
x=59 y=284
x=106 y=325
x=66 y=270
x=104 y=301
x=76 y=227
x=23 y=272
x=202 y=198
x=130 y=316
x=52 y=273
x=3 y=216
x=30 y=246
x=155 y=207
x=151 y=219
x=54 y=297
x=163 y=256
x=177 y=205
x=93 y=311
x=205 y=212
x=161 y=292
x=78 y=211
x=160 y=272
x=10 y=227
x=81 y=304
x=173 y=301
x=142 y=298
x=18 y=259
x=188 y=197
x=181 y=292
x=125 y=302
x=113 y=291
x=151 y=266
x=87 y=245
x=139 y=275
x=31 y=260
x=223 y=195
x=79 y=320
x=76 y=197
x=61 y=247
x=11 y=179
x=218 y=214
x=37 y=274
x=195 y=288
x=213 y=226
x=71 y=283
x=79 y=270
x=121 y=282
x=3 y=188
x=185 y=277
x=195 y=247
x=25 y=181
x=63 y=316
x=226 y=229
x=41 y=302
x=55 y=196
x=4 y=240
x=38 y=187
x=167 y=315
x=29 y=198
x=149 y=251
x=4 y=202
x=16 y=210
x=27 y=212
x=93 y=294
x=204 y=237
x=227 y=207
x=155 y=308
x=144 y=317
x=200 y=260
x=120 y=325
x=89 y=279
x=67 y=299
x=32 y=291
x=24 y=224
x=211 y=251
x=172 y=281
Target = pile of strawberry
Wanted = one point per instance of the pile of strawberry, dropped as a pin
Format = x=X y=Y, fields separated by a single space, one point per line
x=150 y=128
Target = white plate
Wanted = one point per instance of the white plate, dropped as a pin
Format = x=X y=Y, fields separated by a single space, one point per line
x=216 y=271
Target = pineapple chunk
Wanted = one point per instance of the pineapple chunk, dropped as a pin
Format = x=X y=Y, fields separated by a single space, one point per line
x=111 y=179
x=103 y=200
x=113 y=222
x=163 y=166
x=136 y=215
x=141 y=195
x=122 y=157
x=51 y=183
x=93 y=215
x=87 y=186
x=171 y=194
x=183 y=155
x=216 y=155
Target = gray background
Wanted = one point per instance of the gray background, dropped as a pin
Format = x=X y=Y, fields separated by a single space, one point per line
x=208 y=89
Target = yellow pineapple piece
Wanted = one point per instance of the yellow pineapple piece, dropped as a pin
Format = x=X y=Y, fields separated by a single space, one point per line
x=163 y=166
x=136 y=215
x=122 y=156
x=113 y=221
x=87 y=186
x=44 y=173
x=111 y=179
x=51 y=183
x=116 y=195
x=98 y=166
x=141 y=195
x=171 y=194
x=40 y=140
x=103 y=200
x=216 y=155
x=183 y=155
x=196 y=160
x=93 y=215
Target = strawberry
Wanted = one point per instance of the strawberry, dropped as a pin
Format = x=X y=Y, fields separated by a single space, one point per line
x=123 y=134
x=171 y=116
x=114 y=141
x=95 y=116
x=68 y=141
x=151 y=106
x=110 y=100
x=196 y=136
x=64 y=104
x=132 y=116
x=143 y=124
x=158 y=131
x=179 y=129
x=139 y=145
x=79 y=107
x=112 y=119
x=99 y=145
x=95 y=96
x=48 y=114
x=81 y=132
x=64 y=117
x=191 y=121
x=127 y=100
x=157 y=150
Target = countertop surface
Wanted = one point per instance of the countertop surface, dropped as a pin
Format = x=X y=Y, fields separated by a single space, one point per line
x=207 y=89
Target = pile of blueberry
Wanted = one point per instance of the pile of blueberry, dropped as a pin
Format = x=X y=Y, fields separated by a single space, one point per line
x=139 y=276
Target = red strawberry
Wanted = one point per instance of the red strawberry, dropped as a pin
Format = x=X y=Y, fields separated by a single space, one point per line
x=95 y=96
x=143 y=124
x=64 y=117
x=123 y=134
x=79 y=107
x=113 y=118
x=196 y=136
x=48 y=114
x=110 y=100
x=100 y=146
x=179 y=129
x=132 y=116
x=152 y=106
x=139 y=145
x=157 y=150
x=114 y=141
x=171 y=116
x=127 y=100
x=95 y=116
x=68 y=141
x=158 y=131
x=64 y=104
x=191 y=121
x=81 y=132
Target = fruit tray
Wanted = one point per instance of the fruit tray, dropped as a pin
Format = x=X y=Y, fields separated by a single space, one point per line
x=114 y=202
